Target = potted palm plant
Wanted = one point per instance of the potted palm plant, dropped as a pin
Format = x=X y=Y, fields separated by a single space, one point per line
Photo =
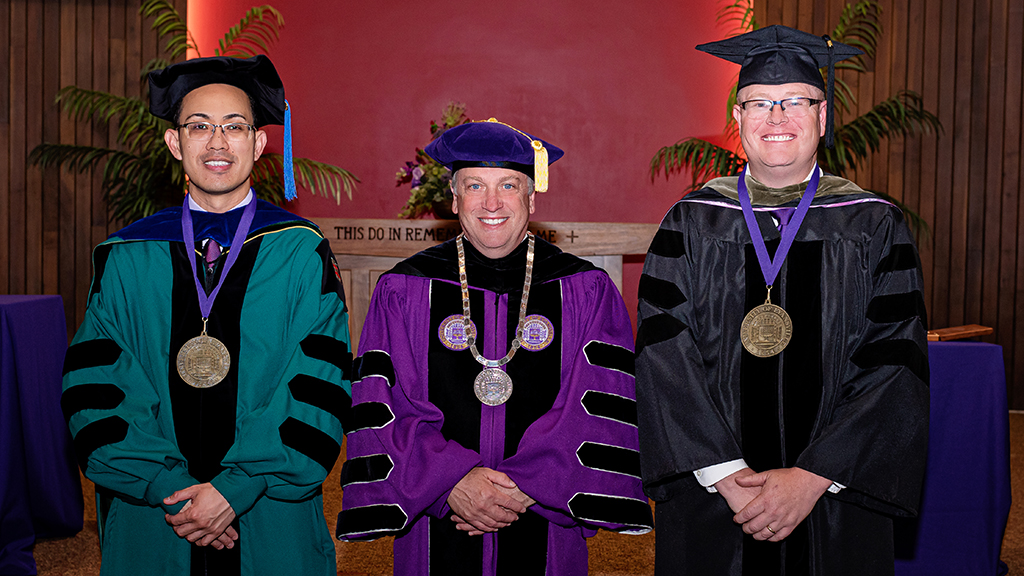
x=901 y=114
x=140 y=177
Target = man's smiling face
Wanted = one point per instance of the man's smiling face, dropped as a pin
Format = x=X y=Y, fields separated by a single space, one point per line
x=781 y=149
x=494 y=207
x=216 y=166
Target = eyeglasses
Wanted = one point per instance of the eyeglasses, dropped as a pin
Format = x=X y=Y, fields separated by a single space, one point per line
x=204 y=131
x=796 y=107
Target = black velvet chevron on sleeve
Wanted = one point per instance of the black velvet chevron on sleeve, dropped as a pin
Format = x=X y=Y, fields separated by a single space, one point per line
x=374 y=363
x=609 y=458
x=375 y=521
x=887 y=308
x=99 y=263
x=668 y=243
x=900 y=257
x=601 y=508
x=655 y=329
x=332 y=274
x=660 y=293
x=90 y=354
x=364 y=469
x=109 y=430
x=610 y=356
x=893 y=352
x=369 y=415
x=310 y=441
x=324 y=395
x=610 y=406
x=103 y=396
x=330 y=350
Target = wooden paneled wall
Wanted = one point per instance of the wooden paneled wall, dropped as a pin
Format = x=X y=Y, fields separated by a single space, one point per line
x=965 y=58
x=50 y=221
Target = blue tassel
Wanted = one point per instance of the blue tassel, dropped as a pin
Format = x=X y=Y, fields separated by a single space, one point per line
x=289 y=172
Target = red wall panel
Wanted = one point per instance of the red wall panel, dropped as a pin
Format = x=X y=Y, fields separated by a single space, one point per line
x=609 y=82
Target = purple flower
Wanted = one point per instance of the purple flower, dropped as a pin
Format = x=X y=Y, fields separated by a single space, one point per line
x=417 y=174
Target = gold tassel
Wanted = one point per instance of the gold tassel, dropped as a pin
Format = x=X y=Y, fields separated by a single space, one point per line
x=540 y=159
x=540 y=166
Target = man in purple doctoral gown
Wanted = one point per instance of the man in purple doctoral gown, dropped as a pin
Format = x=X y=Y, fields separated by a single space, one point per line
x=493 y=444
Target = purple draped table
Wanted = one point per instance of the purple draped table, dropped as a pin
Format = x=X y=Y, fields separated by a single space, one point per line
x=40 y=489
x=966 y=497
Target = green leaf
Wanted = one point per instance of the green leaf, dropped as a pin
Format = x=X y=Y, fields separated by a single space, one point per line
x=318 y=177
x=704 y=159
x=139 y=175
x=168 y=23
x=253 y=34
x=900 y=115
x=740 y=15
x=134 y=186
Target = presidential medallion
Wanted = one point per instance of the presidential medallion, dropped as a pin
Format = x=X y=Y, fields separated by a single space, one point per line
x=493 y=386
x=766 y=330
x=203 y=362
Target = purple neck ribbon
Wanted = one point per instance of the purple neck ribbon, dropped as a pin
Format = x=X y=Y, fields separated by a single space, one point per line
x=771 y=268
x=206 y=302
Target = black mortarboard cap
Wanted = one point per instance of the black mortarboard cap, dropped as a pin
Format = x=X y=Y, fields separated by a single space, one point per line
x=494 y=144
x=255 y=76
x=780 y=55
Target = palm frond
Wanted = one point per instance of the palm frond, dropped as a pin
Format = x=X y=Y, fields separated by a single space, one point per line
x=253 y=34
x=859 y=27
x=704 y=159
x=731 y=130
x=267 y=180
x=138 y=130
x=168 y=22
x=141 y=176
x=844 y=98
x=154 y=64
x=134 y=186
x=899 y=115
x=317 y=177
x=139 y=186
x=82 y=104
x=740 y=14
x=69 y=156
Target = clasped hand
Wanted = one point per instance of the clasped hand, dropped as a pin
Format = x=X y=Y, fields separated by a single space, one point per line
x=486 y=500
x=206 y=518
x=779 y=499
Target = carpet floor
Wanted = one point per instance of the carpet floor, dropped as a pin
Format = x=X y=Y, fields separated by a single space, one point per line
x=610 y=554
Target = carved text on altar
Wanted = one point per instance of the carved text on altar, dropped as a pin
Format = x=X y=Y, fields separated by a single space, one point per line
x=417 y=234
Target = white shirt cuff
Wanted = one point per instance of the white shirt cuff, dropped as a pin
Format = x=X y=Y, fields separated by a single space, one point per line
x=835 y=487
x=708 y=476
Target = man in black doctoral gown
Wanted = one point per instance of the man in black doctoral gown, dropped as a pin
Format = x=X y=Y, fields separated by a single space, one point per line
x=781 y=374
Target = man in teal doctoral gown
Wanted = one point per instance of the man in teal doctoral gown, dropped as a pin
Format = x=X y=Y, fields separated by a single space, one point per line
x=207 y=386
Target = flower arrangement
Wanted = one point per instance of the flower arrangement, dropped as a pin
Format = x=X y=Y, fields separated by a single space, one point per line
x=429 y=180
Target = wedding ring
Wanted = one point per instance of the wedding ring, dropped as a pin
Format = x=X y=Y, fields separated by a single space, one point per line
x=770 y=529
